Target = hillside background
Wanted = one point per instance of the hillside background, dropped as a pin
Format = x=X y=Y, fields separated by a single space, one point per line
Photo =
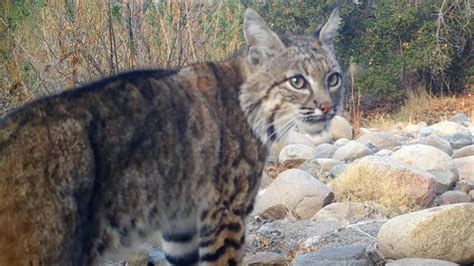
x=403 y=59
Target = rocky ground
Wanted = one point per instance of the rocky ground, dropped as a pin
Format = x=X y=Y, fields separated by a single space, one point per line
x=403 y=196
x=398 y=197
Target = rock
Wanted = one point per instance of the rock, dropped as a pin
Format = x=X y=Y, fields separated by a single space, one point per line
x=453 y=196
x=265 y=181
x=340 y=142
x=420 y=262
x=471 y=194
x=384 y=152
x=348 y=213
x=465 y=166
x=301 y=192
x=325 y=150
x=293 y=137
x=351 y=151
x=444 y=233
x=272 y=160
x=395 y=186
x=364 y=130
x=312 y=167
x=294 y=237
x=465 y=185
x=319 y=138
x=435 y=141
x=265 y=258
x=277 y=212
x=460 y=118
x=327 y=164
x=297 y=151
x=338 y=169
x=414 y=129
x=381 y=140
x=457 y=135
x=340 y=128
x=431 y=160
x=353 y=255
x=464 y=152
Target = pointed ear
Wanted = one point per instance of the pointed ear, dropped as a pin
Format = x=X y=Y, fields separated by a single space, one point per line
x=262 y=42
x=328 y=31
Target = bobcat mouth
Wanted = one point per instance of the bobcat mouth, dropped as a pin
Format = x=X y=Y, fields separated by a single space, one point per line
x=314 y=119
x=315 y=124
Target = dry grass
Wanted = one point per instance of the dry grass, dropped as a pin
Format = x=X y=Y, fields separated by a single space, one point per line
x=423 y=107
x=367 y=184
x=65 y=44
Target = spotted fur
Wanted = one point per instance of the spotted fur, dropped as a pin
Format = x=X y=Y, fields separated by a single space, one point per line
x=90 y=171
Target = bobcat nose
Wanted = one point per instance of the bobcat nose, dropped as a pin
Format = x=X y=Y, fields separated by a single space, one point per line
x=325 y=107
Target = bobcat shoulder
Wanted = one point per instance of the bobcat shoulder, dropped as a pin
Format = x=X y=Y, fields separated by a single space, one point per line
x=96 y=169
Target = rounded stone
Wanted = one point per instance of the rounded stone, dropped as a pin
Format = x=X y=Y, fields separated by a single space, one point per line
x=453 y=196
x=351 y=151
x=444 y=233
x=340 y=128
x=295 y=188
x=297 y=151
x=432 y=160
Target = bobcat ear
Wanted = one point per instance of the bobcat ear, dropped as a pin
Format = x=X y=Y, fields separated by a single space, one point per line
x=261 y=41
x=328 y=31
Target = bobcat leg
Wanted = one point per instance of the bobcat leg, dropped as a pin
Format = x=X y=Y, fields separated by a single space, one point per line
x=222 y=234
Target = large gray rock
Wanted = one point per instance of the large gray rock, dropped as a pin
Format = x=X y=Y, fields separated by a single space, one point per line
x=414 y=129
x=295 y=188
x=312 y=167
x=381 y=140
x=348 y=213
x=265 y=181
x=444 y=233
x=420 y=262
x=319 y=138
x=351 y=151
x=453 y=197
x=341 y=142
x=457 y=135
x=327 y=164
x=464 y=152
x=265 y=258
x=353 y=255
x=431 y=160
x=293 y=137
x=465 y=166
x=340 y=128
x=460 y=118
x=384 y=152
x=338 y=169
x=325 y=150
x=277 y=212
x=465 y=185
x=297 y=152
x=435 y=141
x=388 y=182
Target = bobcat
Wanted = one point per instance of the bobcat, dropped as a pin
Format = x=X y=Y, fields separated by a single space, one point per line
x=98 y=168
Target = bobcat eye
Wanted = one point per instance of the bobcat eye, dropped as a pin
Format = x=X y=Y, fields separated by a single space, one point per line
x=298 y=82
x=333 y=80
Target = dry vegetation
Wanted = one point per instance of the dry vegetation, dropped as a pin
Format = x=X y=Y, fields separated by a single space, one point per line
x=364 y=184
x=62 y=44
x=421 y=107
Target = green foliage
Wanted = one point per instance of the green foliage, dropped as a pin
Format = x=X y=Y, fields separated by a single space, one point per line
x=115 y=10
x=396 y=45
x=18 y=11
x=399 y=44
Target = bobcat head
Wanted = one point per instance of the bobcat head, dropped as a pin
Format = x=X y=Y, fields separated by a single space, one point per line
x=291 y=80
